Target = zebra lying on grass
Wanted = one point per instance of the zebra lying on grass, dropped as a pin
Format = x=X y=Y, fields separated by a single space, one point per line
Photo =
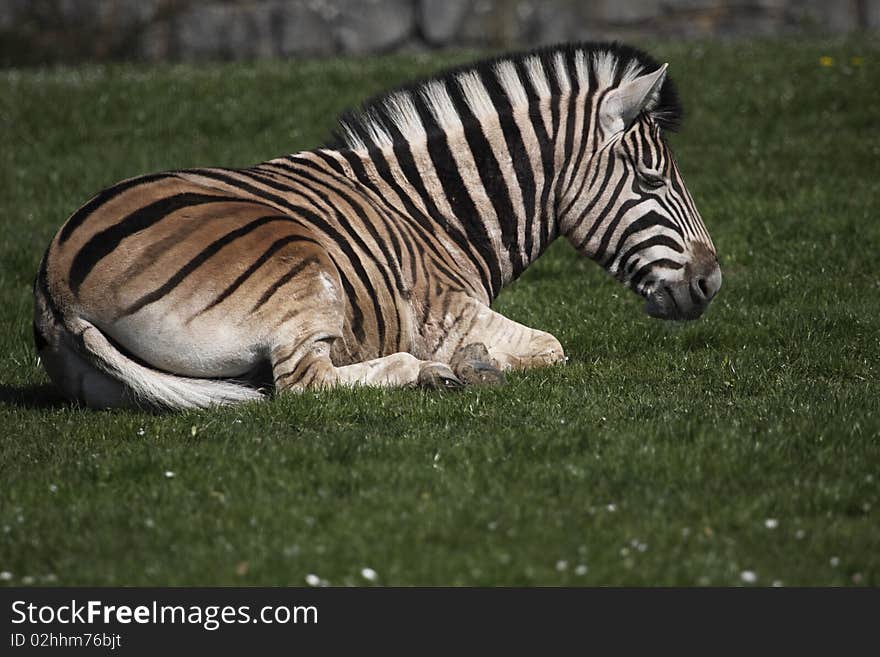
x=375 y=260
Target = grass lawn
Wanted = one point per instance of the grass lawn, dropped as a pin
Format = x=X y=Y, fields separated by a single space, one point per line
x=661 y=454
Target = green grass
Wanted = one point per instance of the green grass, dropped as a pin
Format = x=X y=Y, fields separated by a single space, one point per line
x=656 y=456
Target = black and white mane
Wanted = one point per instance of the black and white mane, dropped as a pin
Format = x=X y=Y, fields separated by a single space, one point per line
x=417 y=110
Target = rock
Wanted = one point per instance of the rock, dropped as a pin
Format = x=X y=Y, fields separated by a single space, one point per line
x=369 y=26
x=225 y=31
x=872 y=14
x=10 y=11
x=616 y=11
x=439 y=20
x=305 y=30
x=125 y=14
x=831 y=17
x=495 y=23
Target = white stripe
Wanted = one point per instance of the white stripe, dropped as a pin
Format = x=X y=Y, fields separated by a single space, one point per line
x=604 y=65
x=563 y=77
x=440 y=104
x=403 y=113
x=476 y=96
x=509 y=80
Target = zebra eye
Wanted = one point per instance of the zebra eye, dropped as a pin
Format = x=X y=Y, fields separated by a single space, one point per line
x=652 y=179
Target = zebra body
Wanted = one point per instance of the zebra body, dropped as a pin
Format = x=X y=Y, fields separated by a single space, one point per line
x=375 y=261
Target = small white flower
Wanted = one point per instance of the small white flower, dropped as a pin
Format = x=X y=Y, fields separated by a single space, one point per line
x=771 y=523
x=835 y=562
x=611 y=508
x=53 y=488
x=748 y=576
x=777 y=583
x=27 y=579
x=561 y=565
x=5 y=576
x=369 y=574
x=580 y=569
x=169 y=474
x=313 y=580
x=799 y=534
x=141 y=431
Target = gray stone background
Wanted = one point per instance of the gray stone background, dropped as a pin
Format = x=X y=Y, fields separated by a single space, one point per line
x=43 y=31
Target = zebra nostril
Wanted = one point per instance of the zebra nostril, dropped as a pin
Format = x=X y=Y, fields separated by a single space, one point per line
x=704 y=287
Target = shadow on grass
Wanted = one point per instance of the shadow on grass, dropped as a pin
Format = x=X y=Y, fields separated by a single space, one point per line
x=40 y=396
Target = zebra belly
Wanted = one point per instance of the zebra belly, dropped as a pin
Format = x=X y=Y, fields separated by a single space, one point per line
x=165 y=341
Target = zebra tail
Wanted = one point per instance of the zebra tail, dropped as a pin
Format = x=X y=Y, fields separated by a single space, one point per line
x=89 y=368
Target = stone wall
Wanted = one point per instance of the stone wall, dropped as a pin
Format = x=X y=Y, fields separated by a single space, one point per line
x=37 y=31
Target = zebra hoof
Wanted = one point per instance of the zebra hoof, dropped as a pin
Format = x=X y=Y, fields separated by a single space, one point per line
x=473 y=365
x=473 y=351
x=437 y=376
x=478 y=372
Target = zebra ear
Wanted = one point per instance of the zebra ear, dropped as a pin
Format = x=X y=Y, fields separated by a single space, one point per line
x=626 y=102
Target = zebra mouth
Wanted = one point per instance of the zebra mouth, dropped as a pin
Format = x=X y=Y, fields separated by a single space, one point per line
x=663 y=303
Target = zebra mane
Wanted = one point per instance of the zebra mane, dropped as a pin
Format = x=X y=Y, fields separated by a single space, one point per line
x=395 y=116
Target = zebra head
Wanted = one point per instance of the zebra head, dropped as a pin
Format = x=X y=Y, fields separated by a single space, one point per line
x=631 y=211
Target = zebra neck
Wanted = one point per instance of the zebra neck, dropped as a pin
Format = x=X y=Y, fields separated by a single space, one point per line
x=493 y=209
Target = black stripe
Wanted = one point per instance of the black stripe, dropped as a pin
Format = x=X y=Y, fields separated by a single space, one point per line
x=259 y=262
x=587 y=182
x=522 y=165
x=611 y=226
x=366 y=222
x=330 y=232
x=104 y=242
x=197 y=262
x=490 y=176
x=427 y=232
x=281 y=282
x=357 y=314
x=42 y=281
x=648 y=220
x=657 y=240
x=328 y=159
x=644 y=270
x=598 y=114
x=314 y=191
x=155 y=249
x=424 y=233
x=568 y=144
x=609 y=171
x=545 y=147
x=547 y=231
x=457 y=196
x=103 y=197
x=585 y=130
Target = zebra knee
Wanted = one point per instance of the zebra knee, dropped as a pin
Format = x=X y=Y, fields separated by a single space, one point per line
x=308 y=373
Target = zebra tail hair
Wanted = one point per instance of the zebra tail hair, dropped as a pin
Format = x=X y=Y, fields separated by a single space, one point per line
x=159 y=389
x=89 y=368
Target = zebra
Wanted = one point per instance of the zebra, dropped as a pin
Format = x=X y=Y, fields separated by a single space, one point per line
x=374 y=259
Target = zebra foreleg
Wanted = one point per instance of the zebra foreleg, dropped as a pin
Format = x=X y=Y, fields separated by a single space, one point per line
x=315 y=370
x=510 y=345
